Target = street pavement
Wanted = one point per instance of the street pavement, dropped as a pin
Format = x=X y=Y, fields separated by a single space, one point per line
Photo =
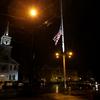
x=52 y=96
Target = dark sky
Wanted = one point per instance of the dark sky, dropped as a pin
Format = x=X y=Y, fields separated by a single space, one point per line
x=32 y=39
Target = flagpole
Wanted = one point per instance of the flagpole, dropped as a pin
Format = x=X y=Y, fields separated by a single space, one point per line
x=63 y=45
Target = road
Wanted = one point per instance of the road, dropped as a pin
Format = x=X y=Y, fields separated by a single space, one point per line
x=49 y=93
x=52 y=96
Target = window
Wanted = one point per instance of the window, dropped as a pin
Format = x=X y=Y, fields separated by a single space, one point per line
x=15 y=67
x=9 y=77
x=13 y=77
x=10 y=67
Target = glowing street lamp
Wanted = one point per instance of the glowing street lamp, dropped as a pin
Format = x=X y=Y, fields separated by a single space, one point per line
x=57 y=55
x=33 y=12
x=70 y=54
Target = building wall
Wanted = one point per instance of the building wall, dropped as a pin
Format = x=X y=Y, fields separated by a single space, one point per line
x=8 y=72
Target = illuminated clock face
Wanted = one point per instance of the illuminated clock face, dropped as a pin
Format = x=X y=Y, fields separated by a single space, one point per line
x=6 y=41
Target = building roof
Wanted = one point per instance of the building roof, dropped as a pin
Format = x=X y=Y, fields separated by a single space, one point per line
x=8 y=60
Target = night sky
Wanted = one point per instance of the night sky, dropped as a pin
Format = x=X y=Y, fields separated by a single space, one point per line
x=32 y=38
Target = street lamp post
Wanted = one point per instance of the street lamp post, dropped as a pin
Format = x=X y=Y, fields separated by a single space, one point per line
x=63 y=47
x=67 y=55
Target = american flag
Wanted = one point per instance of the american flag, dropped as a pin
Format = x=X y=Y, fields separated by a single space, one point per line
x=57 y=36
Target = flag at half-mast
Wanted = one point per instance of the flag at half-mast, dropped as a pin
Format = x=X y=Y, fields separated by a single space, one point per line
x=57 y=36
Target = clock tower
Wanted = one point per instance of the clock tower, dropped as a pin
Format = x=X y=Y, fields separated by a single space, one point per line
x=6 y=39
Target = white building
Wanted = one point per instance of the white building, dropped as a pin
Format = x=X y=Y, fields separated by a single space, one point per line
x=8 y=66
